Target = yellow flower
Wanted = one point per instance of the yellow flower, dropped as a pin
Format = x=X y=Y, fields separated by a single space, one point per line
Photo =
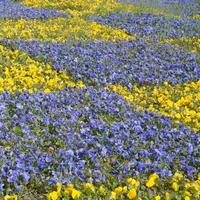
x=90 y=186
x=154 y=176
x=76 y=194
x=131 y=181
x=118 y=190
x=196 y=185
x=137 y=184
x=177 y=176
x=150 y=183
x=69 y=189
x=166 y=83
x=53 y=195
x=157 y=197
x=187 y=198
x=10 y=197
x=113 y=196
x=59 y=188
x=152 y=180
x=47 y=90
x=132 y=193
x=125 y=188
x=102 y=190
x=187 y=186
x=167 y=196
x=175 y=186
x=178 y=116
x=187 y=193
x=80 y=84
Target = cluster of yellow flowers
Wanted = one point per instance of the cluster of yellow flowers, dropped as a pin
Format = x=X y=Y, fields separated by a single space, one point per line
x=59 y=30
x=175 y=187
x=91 y=7
x=69 y=191
x=178 y=188
x=196 y=16
x=152 y=180
x=11 y=197
x=179 y=102
x=190 y=43
x=18 y=72
x=75 y=7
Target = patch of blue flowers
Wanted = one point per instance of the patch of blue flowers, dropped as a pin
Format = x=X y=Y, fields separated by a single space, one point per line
x=104 y=63
x=146 y=24
x=88 y=135
x=10 y=9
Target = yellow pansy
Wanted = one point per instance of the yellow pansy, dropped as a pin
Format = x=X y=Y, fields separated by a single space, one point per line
x=90 y=186
x=102 y=190
x=196 y=186
x=177 y=176
x=59 y=188
x=132 y=194
x=187 y=193
x=69 y=189
x=125 y=189
x=154 y=176
x=167 y=196
x=175 y=186
x=53 y=195
x=158 y=197
x=118 y=190
x=152 y=180
x=130 y=180
x=113 y=196
x=150 y=183
x=10 y=197
x=188 y=185
x=75 y=194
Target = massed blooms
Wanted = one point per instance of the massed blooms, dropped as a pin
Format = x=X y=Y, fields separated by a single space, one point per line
x=97 y=130
x=13 y=10
x=19 y=73
x=122 y=63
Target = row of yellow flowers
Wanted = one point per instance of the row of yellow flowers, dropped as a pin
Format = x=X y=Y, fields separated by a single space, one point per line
x=59 y=30
x=132 y=187
x=92 y=7
x=196 y=16
x=176 y=187
x=179 y=102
